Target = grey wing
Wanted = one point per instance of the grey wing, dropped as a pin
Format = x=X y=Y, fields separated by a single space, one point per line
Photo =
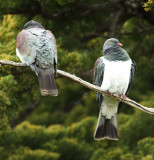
x=98 y=77
x=53 y=43
x=26 y=48
x=53 y=46
x=132 y=76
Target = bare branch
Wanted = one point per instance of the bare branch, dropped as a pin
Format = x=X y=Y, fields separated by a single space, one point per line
x=98 y=33
x=23 y=115
x=139 y=32
x=90 y=86
x=11 y=63
x=115 y=20
x=99 y=6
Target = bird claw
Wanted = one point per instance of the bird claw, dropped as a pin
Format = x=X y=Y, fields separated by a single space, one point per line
x=109 y=93
x=123 y=96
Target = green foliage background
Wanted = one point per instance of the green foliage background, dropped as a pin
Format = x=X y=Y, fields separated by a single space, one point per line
x=61 y=128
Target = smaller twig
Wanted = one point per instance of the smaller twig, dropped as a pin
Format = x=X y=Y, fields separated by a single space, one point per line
x=139 y=32
x=23 y=115
x=99 y=6
x=115 y=20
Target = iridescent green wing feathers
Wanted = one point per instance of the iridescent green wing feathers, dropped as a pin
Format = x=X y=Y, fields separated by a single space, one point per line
x=98 y=77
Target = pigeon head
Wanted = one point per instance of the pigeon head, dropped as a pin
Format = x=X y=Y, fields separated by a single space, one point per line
x=33 y=24
x=112 y=42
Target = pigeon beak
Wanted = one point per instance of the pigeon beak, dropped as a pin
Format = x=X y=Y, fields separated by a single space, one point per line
x=119 y=44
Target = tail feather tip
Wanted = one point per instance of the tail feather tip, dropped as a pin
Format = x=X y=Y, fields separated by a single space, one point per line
x=107 y=130
x=45 y=92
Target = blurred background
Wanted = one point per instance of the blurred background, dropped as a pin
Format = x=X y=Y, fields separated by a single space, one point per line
x=33 y=127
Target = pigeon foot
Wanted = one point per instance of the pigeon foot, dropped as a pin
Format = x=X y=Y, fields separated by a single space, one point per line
x=123 y=96
x=110 y=93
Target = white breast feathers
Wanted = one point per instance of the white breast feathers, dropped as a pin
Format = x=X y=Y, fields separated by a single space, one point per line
x=116 y=76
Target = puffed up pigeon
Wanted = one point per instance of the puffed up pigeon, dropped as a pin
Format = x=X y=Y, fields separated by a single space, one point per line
x=114 y=72
x=37 y=48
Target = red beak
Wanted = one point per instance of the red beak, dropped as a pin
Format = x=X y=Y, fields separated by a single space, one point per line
x=119 y=44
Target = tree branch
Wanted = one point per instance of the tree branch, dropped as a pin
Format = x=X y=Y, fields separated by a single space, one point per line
x=142 y=31
x=90 y=86
x=23 y=115
x=11 y=63
x=98 y=6
x=115 y=20
x=98 y=33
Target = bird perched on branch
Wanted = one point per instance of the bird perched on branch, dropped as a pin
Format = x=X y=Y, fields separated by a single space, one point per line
x=37 y=48
x=114 y=72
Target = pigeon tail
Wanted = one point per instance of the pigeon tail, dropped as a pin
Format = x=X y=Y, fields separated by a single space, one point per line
x=106 y=128
x=47 y=82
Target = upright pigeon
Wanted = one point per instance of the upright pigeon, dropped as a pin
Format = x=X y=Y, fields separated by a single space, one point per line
x=114 y=72
x=37 y=48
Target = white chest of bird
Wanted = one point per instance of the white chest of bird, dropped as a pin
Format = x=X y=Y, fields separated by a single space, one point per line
x=116 y=76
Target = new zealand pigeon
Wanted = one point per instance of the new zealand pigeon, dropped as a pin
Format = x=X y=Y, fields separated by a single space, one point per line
x=114 y=72
x=37 y=48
